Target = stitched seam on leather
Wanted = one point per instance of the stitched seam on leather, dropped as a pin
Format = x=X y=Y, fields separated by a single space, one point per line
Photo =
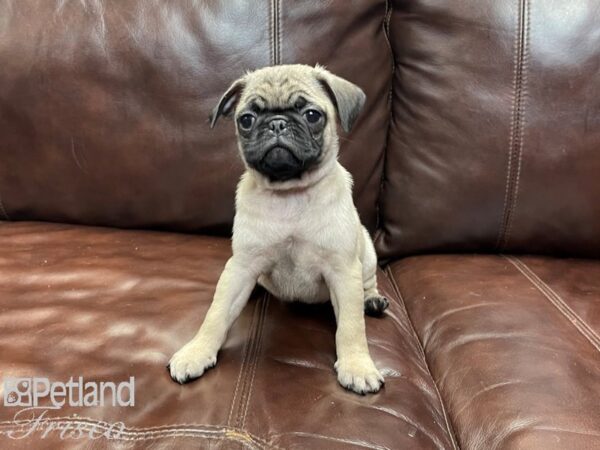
x=557 y=301
x=3 y=211
x=275 y=32
x=516 y=66
x=203 y=428
x=389 y=8
x=243 y=367
x=271 y=21
x=248 y=377
x=517 y=125
x=386 y=32
x=203 y=436
x=248 y=367
x=279 y=34
x=263 y=314
x=522 y=121
x=135 y=434
x=449 y=427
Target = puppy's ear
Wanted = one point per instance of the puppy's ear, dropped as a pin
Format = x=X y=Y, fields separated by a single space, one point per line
x=227 y=102
x=347 y=97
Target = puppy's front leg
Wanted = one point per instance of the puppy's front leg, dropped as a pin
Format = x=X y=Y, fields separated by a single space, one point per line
x=355 y=368
x=232 y=293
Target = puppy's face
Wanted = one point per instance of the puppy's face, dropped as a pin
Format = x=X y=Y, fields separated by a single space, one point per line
x=285 y=119
x=281 y=140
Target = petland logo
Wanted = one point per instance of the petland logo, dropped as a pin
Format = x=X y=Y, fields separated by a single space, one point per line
x=40 y=391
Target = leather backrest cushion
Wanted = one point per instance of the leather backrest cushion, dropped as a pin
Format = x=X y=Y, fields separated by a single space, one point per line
x=495 y=139
x=104 y=105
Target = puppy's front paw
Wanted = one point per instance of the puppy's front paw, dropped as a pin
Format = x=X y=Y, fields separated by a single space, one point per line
x=359 y=375
x=189 y=363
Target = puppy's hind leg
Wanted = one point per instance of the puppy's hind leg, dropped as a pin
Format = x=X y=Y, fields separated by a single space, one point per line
x=232 y=293
x=375 y=303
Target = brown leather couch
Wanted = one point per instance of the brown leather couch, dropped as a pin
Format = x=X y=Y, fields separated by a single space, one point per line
x=478 y=148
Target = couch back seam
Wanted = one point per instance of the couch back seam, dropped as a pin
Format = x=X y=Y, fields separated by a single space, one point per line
x=275 y=32
x=379 y=231
x=517 y=124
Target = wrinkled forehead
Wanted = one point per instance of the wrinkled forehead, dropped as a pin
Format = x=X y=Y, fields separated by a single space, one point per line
x=281 y=90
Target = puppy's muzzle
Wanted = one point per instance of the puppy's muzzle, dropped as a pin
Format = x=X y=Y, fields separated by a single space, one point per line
x=282 y=151
x=280 y=164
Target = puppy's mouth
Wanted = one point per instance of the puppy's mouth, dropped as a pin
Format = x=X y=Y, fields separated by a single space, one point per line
x=280 y=163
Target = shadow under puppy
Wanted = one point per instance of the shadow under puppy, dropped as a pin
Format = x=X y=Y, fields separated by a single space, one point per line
x=296 y=230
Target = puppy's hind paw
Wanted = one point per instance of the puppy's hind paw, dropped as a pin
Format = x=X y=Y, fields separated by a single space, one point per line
x=375 y=306
x=189 y=363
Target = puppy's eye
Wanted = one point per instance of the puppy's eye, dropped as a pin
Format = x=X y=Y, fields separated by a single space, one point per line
x=246 y=121
x=312 y=115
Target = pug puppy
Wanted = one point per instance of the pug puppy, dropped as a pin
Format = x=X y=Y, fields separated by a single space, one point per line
x=296 y=230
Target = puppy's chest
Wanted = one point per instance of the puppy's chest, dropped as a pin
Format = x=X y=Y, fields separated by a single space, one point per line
x=294 y=253
x=295 y=272
x=294 y=248
x=291 y=227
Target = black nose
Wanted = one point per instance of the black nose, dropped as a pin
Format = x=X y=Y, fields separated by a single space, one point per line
x=278 y=125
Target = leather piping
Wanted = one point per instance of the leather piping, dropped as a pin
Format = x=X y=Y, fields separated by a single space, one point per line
x=517 y=125
x=417 y=339
x=556 y=300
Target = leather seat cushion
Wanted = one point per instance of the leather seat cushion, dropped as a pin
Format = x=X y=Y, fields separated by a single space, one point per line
x=513 y=345
x=108 y=304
